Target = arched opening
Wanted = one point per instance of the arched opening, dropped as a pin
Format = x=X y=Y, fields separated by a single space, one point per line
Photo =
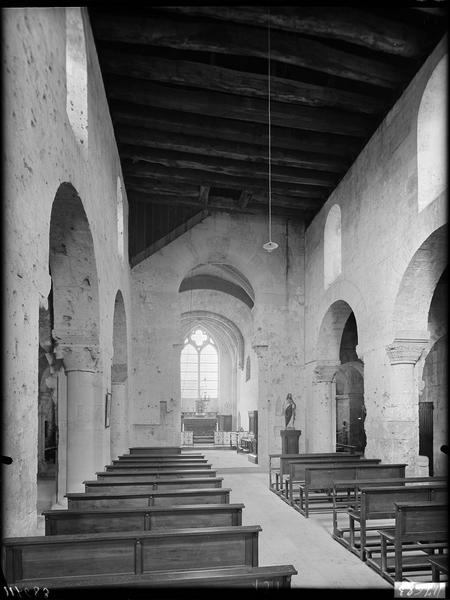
x=332 y=259
x=432 y=137
x=337 y=409
x=76 y=76
x=118 y=417
x=433 y=403
x=419 y=323
x=75 y=339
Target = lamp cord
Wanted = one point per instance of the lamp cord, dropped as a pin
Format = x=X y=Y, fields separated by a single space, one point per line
x=270 y=137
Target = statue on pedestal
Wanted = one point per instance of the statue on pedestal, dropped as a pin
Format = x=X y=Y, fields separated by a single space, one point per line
x=289 y=411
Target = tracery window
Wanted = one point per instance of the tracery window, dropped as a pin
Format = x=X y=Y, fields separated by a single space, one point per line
x=199 y=365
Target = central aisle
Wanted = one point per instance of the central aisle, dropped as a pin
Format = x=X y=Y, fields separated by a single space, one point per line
x=287 y=537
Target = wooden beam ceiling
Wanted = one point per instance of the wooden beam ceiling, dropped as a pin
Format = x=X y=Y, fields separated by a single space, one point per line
x=187 y=89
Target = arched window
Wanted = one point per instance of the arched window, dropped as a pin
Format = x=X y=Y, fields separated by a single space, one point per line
x=332 y=246
x=76 y=76
x=247 y=369
x=432 y=137
x=120 y=238
x=199 y=369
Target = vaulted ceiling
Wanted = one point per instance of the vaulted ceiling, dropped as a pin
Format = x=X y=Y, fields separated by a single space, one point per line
x=187 y=89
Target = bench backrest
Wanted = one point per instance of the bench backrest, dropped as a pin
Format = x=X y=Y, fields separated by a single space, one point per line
x=155 y=450
x=287 y=459
x=156 y=498
x=105 y=487
x=141 y=474
x=157 y=466
x=324 y=477
x=128 y=552
x=389 y=481
x=429 y=518
x=155 y=458
x=163 y=456
x=66 y=522
x=297 y=469
x=378 y=502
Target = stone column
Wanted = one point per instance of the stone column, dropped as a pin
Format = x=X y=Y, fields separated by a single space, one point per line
x=401 y=413
x=322 y=420
x=264 y=409
x=119 y=416
x=80 y=362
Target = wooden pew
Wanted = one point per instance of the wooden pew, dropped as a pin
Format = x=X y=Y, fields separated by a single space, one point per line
x=30 y=561
x=272 y=577
x=156 y=450
x=377 y=503
x=320 y=478
x=125 y=487
x=420 y=528
x=157 y=466
x=193 y=455
x=84 y=501
x=439 y=564
x=67 y=522
x=143 y=475
x=352 y=488
x=168 y=459
x=297 y=469
x=282 y=458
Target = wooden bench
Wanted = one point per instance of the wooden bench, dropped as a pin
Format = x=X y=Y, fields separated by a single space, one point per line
x=143 y=475
x=149 y=459
x=352 y=489
x=297 y=470
x=84 y=501
x=66 y=522
x=156 y=450
x=377 y=503
x=439 y=565
x=106 y=487
x=284 y=458
x=319 y=482
x=156 y=457
x=278 y=576
x=157 y=466
x=35 y=560
x=420 y=529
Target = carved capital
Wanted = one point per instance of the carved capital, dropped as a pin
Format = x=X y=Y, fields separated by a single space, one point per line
x=78 y=357
x=119 y=373
x=405 y=351
x=325 y=372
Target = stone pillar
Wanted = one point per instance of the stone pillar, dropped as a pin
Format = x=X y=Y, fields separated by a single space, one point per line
x=119 y=413
x=322 y=420
x=264 y=408
x=401 y=413
x=80 y=362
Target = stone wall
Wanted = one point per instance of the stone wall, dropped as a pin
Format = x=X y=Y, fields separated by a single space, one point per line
x=276 y=329
x=41 y=154
x=382 y=229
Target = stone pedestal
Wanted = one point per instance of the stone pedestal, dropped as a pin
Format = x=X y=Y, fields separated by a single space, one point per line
x=289 y=441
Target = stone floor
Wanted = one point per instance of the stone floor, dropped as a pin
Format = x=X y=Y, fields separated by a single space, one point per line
x=287 y=537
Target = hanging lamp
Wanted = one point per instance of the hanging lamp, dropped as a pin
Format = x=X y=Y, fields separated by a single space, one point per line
x=270 y=245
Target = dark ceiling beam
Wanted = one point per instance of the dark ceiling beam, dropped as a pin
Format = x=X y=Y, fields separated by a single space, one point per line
x=344 y=23
x=194 y=176
x=200 y=75
x=218 y=104
x=235 y=150
x=237 y=168
x=228 y=204
x=214 y=128
x=305 y=198
x=239 y=40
